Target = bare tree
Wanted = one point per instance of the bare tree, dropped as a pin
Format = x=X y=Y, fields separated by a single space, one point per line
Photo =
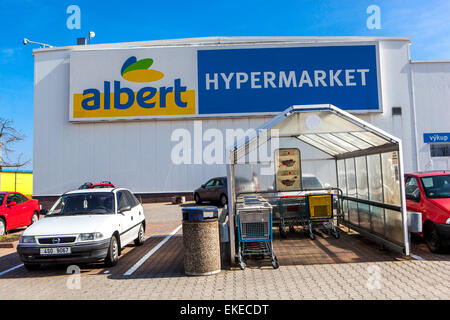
x=8 y=137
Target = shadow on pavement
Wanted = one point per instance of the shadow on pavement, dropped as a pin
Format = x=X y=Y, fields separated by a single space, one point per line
x=204 y=204
x=45 y=270
x=420 y=248
x=297 y=249
x=167 y=262
x=130 y=254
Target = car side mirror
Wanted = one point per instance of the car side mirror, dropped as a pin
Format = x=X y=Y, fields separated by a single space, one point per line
x=125 y=209
x=11 y=204
x=43 y=212
x=203 y=185
x=412 y=197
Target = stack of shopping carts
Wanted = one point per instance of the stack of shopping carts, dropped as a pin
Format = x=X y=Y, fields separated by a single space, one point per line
x=254 y=221
x=311 y=211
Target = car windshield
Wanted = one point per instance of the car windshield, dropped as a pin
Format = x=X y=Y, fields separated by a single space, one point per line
x=2 y=196
x=436 y=186
x=83 y=203
x=311 y=183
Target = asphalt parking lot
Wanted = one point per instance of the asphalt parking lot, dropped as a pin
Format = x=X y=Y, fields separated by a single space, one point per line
x=347 y=268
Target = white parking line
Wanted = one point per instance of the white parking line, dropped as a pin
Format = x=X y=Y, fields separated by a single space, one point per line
x=417 y=257
x=150 y=253
x=11 y=269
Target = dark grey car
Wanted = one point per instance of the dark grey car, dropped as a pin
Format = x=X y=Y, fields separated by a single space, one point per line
x=214 y=190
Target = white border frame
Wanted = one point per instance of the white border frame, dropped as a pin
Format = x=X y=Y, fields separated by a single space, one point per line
x=234 y=46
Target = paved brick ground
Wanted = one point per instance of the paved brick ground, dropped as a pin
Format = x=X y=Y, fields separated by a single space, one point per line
x=325 y=249
x=398 y=280
x=326 y=268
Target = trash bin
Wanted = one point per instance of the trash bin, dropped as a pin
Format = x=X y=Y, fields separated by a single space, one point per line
x=201 y=241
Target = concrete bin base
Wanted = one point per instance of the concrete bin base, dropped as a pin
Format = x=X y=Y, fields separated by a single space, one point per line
x=201 y=247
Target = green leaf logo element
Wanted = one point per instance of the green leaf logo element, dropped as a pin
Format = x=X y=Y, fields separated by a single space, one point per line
x=139 y=65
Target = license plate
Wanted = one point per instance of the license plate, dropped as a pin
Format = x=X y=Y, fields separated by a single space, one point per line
x=55 y=251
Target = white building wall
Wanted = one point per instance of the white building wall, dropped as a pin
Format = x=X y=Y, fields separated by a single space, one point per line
x=137 y=154
x=432 y=104
x=133 y=154
x=396 y=92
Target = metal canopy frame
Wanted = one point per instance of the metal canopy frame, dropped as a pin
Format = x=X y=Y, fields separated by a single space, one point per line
x=338 y=134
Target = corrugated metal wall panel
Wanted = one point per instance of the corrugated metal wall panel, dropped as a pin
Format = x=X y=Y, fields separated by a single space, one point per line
x=432 y=100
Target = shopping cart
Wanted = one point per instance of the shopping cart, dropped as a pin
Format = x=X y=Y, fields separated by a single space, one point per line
x=320 y=212
x=254 y=221
x=292 y=210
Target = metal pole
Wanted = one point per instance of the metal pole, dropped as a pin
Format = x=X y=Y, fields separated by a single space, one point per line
x=406 y=235
x=356 y=190
x=231 y=202
x=382 y=193
x=368 y=194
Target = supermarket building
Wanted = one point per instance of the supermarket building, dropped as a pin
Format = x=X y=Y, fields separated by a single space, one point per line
x=109 y=111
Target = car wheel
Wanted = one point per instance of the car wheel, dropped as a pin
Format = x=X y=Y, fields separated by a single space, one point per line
x=139 y=241
x=34 y=218
x=113 y=252
x=223 y=200
x=197 y=199
x=432 y=238
x=32 y=267
x=2 y=227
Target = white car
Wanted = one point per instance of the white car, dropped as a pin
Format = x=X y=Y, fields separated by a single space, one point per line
x=87 y=225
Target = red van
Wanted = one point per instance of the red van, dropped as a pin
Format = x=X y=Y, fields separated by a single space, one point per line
x=429 y=193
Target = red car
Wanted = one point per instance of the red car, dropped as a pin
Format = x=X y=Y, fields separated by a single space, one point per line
x=90 y=185
x=429 y=193
x=17 y=211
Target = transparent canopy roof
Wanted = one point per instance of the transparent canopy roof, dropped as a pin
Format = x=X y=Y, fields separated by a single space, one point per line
x=324 y=127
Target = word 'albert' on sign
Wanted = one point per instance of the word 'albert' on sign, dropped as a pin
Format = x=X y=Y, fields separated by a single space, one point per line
x=144 y=97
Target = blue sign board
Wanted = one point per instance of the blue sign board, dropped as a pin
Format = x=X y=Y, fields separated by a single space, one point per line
x=272 y=79
x=436 y=137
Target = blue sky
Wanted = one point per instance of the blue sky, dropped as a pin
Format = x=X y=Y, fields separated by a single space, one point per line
x=426 y=23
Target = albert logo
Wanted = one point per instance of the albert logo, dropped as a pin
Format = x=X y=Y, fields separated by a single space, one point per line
x=138 y=71
x=118 y=100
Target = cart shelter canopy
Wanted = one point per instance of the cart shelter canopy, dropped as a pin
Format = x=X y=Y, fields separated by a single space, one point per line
x=324 y=127
x=368 y=164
